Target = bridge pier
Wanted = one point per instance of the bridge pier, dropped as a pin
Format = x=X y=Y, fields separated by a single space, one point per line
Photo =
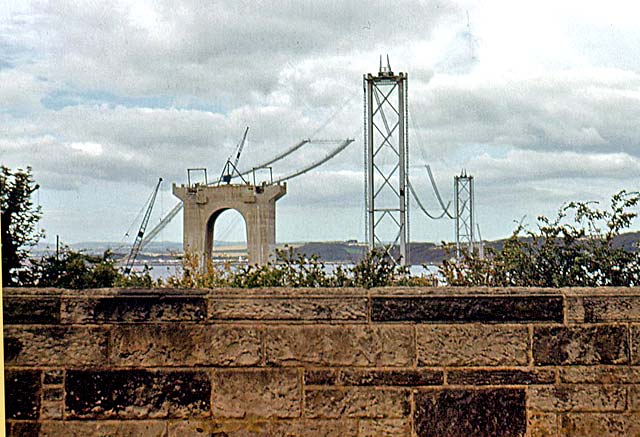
x=256 y=203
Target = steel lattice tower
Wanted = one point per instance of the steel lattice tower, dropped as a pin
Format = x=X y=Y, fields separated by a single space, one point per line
x=464 y=217
x=386 y=162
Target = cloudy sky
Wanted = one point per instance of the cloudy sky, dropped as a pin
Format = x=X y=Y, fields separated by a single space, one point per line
x=540 y=101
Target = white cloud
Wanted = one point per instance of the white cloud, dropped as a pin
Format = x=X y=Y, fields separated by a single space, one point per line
x=539 y=100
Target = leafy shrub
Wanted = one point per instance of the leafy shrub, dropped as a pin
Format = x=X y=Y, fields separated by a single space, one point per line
x=576 y=249
x=73 y=269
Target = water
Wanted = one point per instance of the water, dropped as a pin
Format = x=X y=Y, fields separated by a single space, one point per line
x=173 y=267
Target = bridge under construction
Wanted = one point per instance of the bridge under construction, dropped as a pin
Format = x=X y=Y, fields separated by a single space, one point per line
x=387 y=194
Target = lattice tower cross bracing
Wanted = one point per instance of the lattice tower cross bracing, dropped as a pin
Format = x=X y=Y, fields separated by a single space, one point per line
x=464 y=212
x=386 y=163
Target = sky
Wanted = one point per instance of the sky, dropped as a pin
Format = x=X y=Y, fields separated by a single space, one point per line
x=539 y=101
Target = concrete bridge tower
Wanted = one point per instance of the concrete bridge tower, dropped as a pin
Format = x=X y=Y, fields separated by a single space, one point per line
x=203 y=204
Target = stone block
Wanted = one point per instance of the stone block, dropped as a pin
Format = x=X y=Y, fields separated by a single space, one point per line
x=330 y=346
x=472 y=345
x=599 y=374
x=211 y=428
x=402 y=378
x=635 y=344
x=600 y=424
x=575 y=309
x=314 y=427
x=501 y=377
x=320 y=377
x=567 y=398
x=356 y=402
x=53 y=377
x=486 y=412
x=611 y=308
x=22 y=394
x=104 y=428
x=31 y=310
x=257 y=393
x=52 y=393
x=131 y=309
x=23 y=429
x=634 y=398
x=542 y=425
x=320 y=309
x=561 y=345
x=55 y=346
x=385 y=428
x=51 y=410
x=184 y=345
x=136 y=394
x=468 y=309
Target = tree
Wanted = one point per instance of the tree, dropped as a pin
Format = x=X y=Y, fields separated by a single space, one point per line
x=19 y=233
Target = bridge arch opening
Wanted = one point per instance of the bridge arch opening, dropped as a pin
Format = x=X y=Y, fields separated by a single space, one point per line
x=226 y=237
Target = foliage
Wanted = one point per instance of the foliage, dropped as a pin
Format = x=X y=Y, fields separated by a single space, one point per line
x=19 y=221
x=375 y=270
x=293 y=270
x=71 y=269
x=576 y=249
x=137 y=279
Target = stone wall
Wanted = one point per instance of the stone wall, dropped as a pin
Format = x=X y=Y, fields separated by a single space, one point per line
x=343 y=362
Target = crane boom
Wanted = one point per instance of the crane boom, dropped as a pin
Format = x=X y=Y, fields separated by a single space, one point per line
x=240 y=147
x=137 y=244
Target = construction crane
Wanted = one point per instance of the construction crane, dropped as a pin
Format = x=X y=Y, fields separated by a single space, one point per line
x=137 y=244
x=232 y=167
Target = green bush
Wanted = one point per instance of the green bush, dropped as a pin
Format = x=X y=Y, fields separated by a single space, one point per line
x=71 y=269
x=576 y=249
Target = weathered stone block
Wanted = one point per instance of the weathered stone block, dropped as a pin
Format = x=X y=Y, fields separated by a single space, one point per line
x=575 y=309
x=635 y=344
x=600 y=424
x=407 y=378
x=466 y=309
x=577 y=398
x=211 y=428
x=314 y=427
x=53 y=377
x=542 y=425
x=31 y=310
x=634 y=398
x=22 y=394
x=51 y=410
x=385 y=428
x=353 y=345
x=184 y=345
x=136 y=394
x=356 y=402
x=599 y=374
x=611 y=308
x=501 y=377
x=55 y=346
x=127 y=309
x=560 y=345
x=257 y=393
x=52 y=394
x=104 y=428
x=320 y=377
x=472 y=345
x=487 y=412
x=321 y=309
x=23 y=429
